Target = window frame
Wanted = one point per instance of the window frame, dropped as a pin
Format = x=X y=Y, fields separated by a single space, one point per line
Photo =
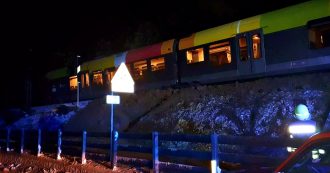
x=93 y=79
x=160 y=70
x=208 y=57
x=195 y=48
x=74 y=77
x=134 y=73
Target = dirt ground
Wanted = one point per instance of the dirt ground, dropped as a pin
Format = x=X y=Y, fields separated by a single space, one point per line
x=27 y=163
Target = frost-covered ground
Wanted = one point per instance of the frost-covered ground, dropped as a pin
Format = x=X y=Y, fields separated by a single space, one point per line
x=261 y=107
x=50 y=117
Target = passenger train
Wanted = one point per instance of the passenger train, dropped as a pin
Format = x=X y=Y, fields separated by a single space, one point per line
x=288 y=40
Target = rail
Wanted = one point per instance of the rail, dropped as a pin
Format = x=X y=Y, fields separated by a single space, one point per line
x=204 y=152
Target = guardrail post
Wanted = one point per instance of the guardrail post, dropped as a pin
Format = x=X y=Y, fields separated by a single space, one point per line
x=155 y=158
x=39 y=143
x=83 y=148
x=215 y=160
x=8 y=139
x=115 y=138
x=22 y=141
x=59 y=143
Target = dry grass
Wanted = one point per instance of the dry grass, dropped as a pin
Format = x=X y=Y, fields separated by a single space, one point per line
x=26 y=163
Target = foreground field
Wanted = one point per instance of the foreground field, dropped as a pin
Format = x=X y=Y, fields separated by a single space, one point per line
x=26 y=163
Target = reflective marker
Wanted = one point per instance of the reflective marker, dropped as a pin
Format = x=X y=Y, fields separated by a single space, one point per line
x=302 y=129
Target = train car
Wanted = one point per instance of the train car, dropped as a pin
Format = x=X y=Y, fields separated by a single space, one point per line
x=152 y=66
x=288 y=40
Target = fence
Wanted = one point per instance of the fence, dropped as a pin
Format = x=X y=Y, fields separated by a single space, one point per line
x=203 y=152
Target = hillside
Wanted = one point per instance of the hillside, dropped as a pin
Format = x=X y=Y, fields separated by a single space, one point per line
x=259 y=107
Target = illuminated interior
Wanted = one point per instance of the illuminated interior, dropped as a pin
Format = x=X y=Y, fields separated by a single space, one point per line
x=220 y=53
x=73 y=82
x=256 y=46
x=194 y=56
x=140 y=69
x=97 y=78
x=109 y=74
x=319 y=37
x=243 y=49
x=157 y=64
x=84 y=80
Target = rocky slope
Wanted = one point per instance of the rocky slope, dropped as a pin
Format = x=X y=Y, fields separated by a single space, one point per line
x=259 y=107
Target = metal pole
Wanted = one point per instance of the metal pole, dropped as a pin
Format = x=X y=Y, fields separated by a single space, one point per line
x=77 y=91
x=22 y=141
x=59 y=143
x=115 y=137
x=111 y=131
x=39 y=143
x=8 y=139
x=215 y=159
x=78 y=56
x=83 y=153
x=155 y=152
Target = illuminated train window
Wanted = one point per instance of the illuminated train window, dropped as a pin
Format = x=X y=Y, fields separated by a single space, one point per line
x=243 y=49
x=84 y=80
x=73 y=82
x=140 y=69
x=157 y=64
x=97 y=78
x=319 y=37
x=256 y=46
x=220 y=53
x=109 y=74
x=194 y=56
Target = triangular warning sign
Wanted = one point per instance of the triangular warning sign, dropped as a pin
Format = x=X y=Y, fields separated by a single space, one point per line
x=122 y=81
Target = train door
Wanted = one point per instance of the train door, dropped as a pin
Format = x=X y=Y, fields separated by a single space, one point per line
x=250 y=53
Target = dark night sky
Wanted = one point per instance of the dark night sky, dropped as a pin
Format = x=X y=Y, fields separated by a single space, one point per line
x=39 y=37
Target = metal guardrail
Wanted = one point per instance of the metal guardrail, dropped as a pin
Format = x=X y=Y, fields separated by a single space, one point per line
x=81 y=142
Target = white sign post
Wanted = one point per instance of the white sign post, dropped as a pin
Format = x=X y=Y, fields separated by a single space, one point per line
x=123 y=82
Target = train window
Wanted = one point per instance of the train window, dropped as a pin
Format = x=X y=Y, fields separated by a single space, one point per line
x=157 y=64
x=87 y=79
x=256 y=46
x=140 y=68
x=97 y=78
x=84 y=80
x=220 y=53
x=129 y=68
x=319 y=37
x=243 y=49
x=194 y=56
x=73 y=82
x=109 y=74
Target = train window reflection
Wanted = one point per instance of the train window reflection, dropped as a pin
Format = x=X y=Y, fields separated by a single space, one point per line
x=195 y=55
x=84 y=80
x=140 y=69
x=73 y=82
x=157 y=64
x=97 y=78
x=220 y=53
x=319 y=37
x=243 y=49
x=256 y=46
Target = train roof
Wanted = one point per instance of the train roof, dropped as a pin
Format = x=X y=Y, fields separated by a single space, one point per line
x=274 y=21
x=58 y=73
